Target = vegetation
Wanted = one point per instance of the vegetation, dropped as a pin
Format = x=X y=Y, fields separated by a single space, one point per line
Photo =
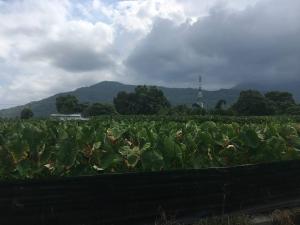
x=30 y=149
x=220 y=104
x=144 y=100
x=239 y=219
x=68 y=104
x=105 y=91
x=98 y=109
x=149 y=100
x=227 y=220
x=253 y=103
x=26 y=113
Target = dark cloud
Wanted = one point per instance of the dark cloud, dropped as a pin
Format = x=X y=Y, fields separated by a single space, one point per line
x=74 y=57
x=258 y=44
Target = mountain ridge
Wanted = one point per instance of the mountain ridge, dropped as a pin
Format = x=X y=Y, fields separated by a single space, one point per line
x=105 y=91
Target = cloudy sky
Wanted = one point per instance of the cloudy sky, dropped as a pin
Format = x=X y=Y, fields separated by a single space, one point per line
x=59 y=45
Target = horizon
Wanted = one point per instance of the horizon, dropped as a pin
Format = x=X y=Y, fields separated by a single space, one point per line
x=8 y=106
x=61 y=45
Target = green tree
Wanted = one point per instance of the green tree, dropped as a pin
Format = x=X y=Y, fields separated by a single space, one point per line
x=182 y=110
x=67 y=104
x=144 y=100
x=253 y=103
x=26 y=113
x=220 y=104
x=83 y=106
x=98 y=109
x=219 y=108
x=281 y=100
x=124 y=103
x=293 y=110
x=198 y=111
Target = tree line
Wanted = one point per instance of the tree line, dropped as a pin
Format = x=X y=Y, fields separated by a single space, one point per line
x=149 y=100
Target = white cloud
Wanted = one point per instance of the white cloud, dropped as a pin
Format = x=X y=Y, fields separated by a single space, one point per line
x=42 y=45
x=51 y=46
x=77 y=46
x=138 y=15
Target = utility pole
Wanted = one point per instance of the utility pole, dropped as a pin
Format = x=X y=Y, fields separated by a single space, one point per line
x=200 y=102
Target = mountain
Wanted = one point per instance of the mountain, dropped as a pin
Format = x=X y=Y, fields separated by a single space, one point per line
x=105 y=92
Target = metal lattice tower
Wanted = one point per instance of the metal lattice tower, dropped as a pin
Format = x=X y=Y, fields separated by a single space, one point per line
x=200 y=102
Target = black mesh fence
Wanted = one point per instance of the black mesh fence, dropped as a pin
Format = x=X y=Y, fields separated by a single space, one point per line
x=140 y=198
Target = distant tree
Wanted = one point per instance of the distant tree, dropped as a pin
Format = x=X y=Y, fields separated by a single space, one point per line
x=293 y=110
x=82 y=107
x=253 y=103
x=123 y=104
x=281 y=100
x=198 y=111
x=277 y=96
x=98 y=109
x=144 y=100
x=220 y=104
x=67 y=104
x=26 y=113
x=182 y=109
x=219 y=108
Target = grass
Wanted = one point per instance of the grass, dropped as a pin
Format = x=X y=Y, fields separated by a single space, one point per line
x=283 y=217
x=278 y=217
x=224 y=220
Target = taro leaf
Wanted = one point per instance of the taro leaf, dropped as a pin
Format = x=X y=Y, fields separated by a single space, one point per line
x=132 y=160
x=96 y=157
x=115 y=132
x=97 y=145
x=209 y=126
x=62 y=133
x=172 y=150
x=200 y=161
x=190 y=142
x=66 y=153
x=228 y=130
x=18 y=149
x=131 y=155
x=197 y=162
x=205 y=138
x=297 y=127
x=86 y=134
x=152 y=160
x=288 y=131
x=25 y=169
x=294 y=141
x=110 y=160
x=95 y=167
x=6 y=163
x=46 y=154
x=2 y=139
x=146 y=146
x=33 y=136
x=272 y=150
x=250 y=138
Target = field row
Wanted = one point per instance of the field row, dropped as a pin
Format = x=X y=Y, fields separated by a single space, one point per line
x=32 y=149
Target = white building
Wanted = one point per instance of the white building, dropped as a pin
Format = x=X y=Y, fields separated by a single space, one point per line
x=67 y=117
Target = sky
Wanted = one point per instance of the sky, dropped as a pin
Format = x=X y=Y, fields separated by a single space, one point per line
x=53 y=46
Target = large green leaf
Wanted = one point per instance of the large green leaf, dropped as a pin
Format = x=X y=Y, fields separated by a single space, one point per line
x=250 y=137
x=152 y=160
